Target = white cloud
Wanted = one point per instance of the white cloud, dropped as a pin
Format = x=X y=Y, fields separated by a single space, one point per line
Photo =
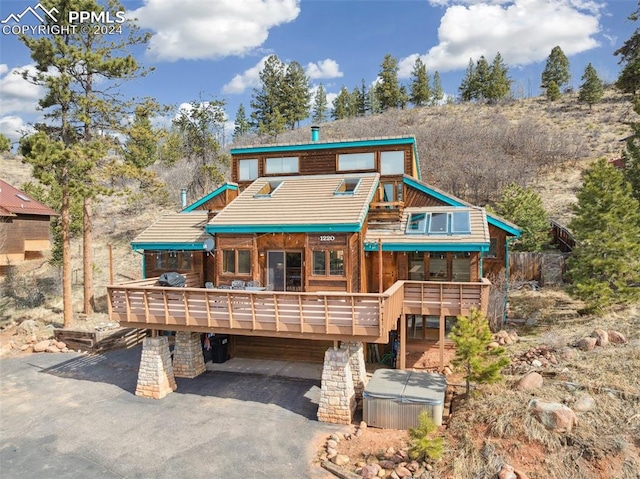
x=13 y=127
x=249 y=79
x=523 y=31
x=193 y=29
x=17 y=95
x=327 y=68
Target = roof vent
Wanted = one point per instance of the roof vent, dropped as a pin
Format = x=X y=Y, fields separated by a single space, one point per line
x=315 y=133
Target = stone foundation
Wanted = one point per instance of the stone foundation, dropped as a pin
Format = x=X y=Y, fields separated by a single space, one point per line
x=337 y=396
x=155 y=376
x=358 y=368
x=188 y=361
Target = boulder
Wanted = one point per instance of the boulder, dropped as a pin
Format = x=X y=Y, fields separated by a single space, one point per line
x=584 y=403
x=602 y=337
x=340 y=460
x=532 y=380
x=41 y=347
x=616 y=337
x=402 y=471
x=53 y=349
x=27 y=327
x=370 y=471
x=60 y=344
x=554 y=416
x=587 y=344
x=386 y=464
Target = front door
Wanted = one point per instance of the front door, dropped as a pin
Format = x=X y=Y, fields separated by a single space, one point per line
x=284 y=270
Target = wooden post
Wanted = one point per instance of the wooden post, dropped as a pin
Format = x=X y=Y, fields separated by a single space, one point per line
x=403 y=342
x=111 y=264
x=380 y=273
x=441 y=341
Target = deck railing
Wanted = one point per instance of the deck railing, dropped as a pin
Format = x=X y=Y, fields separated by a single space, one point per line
x=320 y=315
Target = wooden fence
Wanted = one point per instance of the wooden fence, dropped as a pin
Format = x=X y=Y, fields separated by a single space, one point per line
x=545 y=268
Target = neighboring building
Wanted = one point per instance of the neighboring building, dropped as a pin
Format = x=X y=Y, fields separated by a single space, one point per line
x=312 y=252
x=24 y=226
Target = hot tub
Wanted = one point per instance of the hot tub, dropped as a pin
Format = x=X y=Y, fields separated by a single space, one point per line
x=393 y=399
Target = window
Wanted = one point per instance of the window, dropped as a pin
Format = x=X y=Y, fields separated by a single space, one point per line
x=356 y=161
x=438 y=267
x=173 y=260
x=186 y=260
x=236 y=261
x=493 y=248
x=461 y=267
x=348 y=186
x=417 y=223
x=392 y=162
x=460 y=222
x=23 y=197
x=273 y=166
x=161 y=260
x=416 y=266
x=392 y=191
x=438 y=223
x=268 y=189
x=334 y=259
x=247 y=169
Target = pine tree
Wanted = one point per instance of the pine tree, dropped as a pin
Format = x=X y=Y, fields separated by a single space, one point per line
x=296 y=95
x=472 y=336
x=319 y=106
x=437 y=91
x=359 y=100
x=629 y=79
x=631 y=155
x=354 y=102
x=523 y=206
x=556 y=71
x=481 y=80
x=592 y=89
x=5 y=143
x=499 y=82
x=388 y=89
x=241 y=124
x=403 y=99
x=467 y=87
x=420 y=90
x=341 y=104
x=605 y=264
x=267 y=102
x=141 y=146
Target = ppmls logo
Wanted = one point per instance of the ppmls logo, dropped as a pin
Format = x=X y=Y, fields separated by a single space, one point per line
x=34 y=11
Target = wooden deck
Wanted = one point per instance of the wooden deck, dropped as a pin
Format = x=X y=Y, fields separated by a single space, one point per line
x=364 y=317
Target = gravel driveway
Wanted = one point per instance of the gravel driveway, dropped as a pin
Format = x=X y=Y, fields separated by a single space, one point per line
x=76 y=416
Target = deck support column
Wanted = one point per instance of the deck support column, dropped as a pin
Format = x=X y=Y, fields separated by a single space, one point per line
x=188 y=360
x=337 y=396
x=358 y=369
x=155 y=376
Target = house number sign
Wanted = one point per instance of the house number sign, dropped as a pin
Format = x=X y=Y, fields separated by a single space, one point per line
x=327 y=238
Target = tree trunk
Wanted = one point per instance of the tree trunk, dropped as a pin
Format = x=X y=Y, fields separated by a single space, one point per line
x=67 y=293
x=87 y=264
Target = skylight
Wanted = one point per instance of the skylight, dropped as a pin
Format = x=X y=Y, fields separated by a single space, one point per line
x=348 y=186
x=445 y=223
x=23 y=197
x=268 y=189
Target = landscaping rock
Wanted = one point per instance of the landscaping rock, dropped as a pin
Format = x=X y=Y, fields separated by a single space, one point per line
x=493 y=345
x=60 y=344
x=331 y=444
x=41 y=347
x=370 y=471
x=587 y=344
x=616 y=337
x=53 y=349
x=340 y=460
x=554 y=416
x=532 y=380
x=507 y=472
x=27 y=327
x=602 y=337
x=584 y=403
x=386 y=464
x=402 y=471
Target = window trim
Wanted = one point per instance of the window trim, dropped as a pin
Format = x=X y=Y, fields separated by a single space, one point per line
x=342 y=190
x=257 y=163
x=236 y=262
x=346 y=156
x=281 y=170
x=327 y=263
x=402 y=153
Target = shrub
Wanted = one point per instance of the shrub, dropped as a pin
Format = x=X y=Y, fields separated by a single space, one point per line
x=423 y=443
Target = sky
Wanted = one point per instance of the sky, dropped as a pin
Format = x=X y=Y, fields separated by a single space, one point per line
x=215 y=49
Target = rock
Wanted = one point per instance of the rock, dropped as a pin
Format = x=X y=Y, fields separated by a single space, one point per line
x=383 y=473
x=41 y=347
x=616 y=337
x=336 y=437
x=532 y=380
x=602 y=337
x=507 y=472
x=567 y=353
x=554 y=416
x=331 y=444
x=363 y=425
x=64 y=350
x=394 y=475
x=391 y=451
x=402 y=471
x=531 y=322
x=27 y=327
x=386 y=464
x=493 y=345
x=587 y=344
x=372 y=459
x=397 y=458
x=60 y=344
x=447 y=371
x=536 y=363
x=413 y=466
x=520 y=474
x=360 y=464
x=359 y=433
x=429 y=467
x=24 y=347
x=370 y=471
x=331 y=451
x=340 y=460
x=53 y=349
x=584 y=403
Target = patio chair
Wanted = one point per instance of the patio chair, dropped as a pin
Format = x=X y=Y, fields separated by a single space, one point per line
x=237 y=284
x=253 y=284
x=208 y=285
x=224 y=286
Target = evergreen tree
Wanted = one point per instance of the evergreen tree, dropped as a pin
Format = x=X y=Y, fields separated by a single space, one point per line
x=553 y=92
x=358 y=102
x=341 y=104
x=141 y=146
x=481 y=80
x=295 y=97
x=420 y=90
x=556 y=71
x=523 y=206
x=319 y=106
x=403 y=99
x=592 y=89
x=81 y=70
x=499 y=83
x=267 y=102
x=467 y=87
x=5 y=143
x=472 y=336
x=388 y=89
x=365 y=108
x=241 y=124
x=632 y=155
x=437 y=91
x=629 y=79
x=374 y=101
x=605 y=264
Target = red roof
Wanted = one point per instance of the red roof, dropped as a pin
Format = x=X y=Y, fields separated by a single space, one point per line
x=15 y=202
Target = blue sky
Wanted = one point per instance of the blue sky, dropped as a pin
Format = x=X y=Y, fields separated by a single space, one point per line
x=215 y=49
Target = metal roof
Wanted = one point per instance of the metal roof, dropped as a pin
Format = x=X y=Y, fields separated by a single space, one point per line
x=300 y=204
x=175 y=231
x=15 y=202
x=395 y=238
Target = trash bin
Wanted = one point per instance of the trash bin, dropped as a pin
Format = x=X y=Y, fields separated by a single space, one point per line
x=219 y=347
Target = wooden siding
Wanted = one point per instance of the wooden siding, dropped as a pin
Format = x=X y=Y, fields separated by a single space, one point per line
x=256 y=347
x=220 y=201
x=24 y=233
x=493 y=266
x=417 y=198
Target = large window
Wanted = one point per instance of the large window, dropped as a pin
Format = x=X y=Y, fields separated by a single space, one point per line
x=356 y=161
x=438 y=223
x=236 y=261
x=392 y=191
x=456 y=222
x=328 y=263
x=247 y=169
x=173 y=260
x=417 y=223
x=461 y=267
x=392 y=162
x=284 y=165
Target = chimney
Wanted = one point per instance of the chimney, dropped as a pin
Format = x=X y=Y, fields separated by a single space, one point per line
x=315 y=133
x=183 y=198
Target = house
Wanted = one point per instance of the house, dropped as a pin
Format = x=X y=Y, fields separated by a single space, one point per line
x=24 y=226
x=315 y=244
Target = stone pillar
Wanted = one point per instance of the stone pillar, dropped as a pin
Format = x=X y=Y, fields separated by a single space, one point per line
x=188 y=361
x=358 y=369
x=155 y=376
x=337 y=396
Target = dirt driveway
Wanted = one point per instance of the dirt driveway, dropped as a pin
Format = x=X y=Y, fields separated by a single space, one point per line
x=75 y=416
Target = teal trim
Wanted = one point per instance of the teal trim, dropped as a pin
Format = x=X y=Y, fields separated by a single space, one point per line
x=213 y=194
x=323 y=146
x=144 y=266
x=427 y=247
x=492 y=220
x=481 y=266
x=506 y=281
x=169 y=246
x=416 y=159
x=283 y=228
